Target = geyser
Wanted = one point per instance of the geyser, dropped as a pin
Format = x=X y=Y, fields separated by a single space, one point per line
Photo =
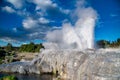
x=78 y=36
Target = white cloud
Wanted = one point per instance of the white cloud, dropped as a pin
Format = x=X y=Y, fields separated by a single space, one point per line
x=36 y=27
x=7 y=39
x=66 y=11
x=23 y=12
x=17 y=3
x=8 y=9
x=47 y=7
x=33 y=34
x=41 y=4
x=44 y=5
x=30 y=23
x=43 y=20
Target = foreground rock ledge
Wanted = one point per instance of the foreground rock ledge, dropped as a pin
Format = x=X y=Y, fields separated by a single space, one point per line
x=72 y=64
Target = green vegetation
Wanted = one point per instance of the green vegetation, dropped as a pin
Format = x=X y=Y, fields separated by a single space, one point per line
x=31 y=47
x=9 y=47
x=8 y=52
x=108 y=44
x=2 y=55
x=9 y=78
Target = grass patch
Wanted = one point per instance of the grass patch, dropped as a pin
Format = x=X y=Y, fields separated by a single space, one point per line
x=9 y=78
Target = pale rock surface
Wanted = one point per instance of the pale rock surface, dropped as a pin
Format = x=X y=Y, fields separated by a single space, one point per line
x=72 y=64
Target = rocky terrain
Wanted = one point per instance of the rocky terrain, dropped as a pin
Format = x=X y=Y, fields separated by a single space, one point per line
x=72 y=64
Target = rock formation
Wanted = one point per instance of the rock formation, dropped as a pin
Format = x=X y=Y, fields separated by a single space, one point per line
x=72 y=64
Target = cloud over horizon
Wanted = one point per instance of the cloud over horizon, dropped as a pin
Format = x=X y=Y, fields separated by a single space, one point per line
x=40 y=17
x=8 y=9
x=27 y=20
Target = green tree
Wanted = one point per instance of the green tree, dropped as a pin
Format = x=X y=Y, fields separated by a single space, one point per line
x=118 y=40
x=31 y=47
x=38 y=47
x=103 y=43
x=9 y=47
x=22 y=48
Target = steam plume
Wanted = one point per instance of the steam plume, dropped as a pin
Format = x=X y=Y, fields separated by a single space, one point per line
x=81 y=35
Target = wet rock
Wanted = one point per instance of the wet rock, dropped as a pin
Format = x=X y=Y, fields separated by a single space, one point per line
x=20 y=67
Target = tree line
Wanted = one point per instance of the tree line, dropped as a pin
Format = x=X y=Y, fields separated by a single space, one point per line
x=8 y=52
x=108 y=44
x=31 y=47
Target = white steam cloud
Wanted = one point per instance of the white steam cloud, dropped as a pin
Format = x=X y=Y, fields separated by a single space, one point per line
x=80 y=36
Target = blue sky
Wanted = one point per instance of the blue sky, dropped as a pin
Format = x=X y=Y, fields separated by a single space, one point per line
x=22 y=21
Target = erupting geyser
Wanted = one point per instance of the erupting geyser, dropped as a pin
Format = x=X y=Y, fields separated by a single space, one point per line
x=78 y=36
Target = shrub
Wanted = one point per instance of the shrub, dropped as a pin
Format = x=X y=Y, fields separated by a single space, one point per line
x=9 y=78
